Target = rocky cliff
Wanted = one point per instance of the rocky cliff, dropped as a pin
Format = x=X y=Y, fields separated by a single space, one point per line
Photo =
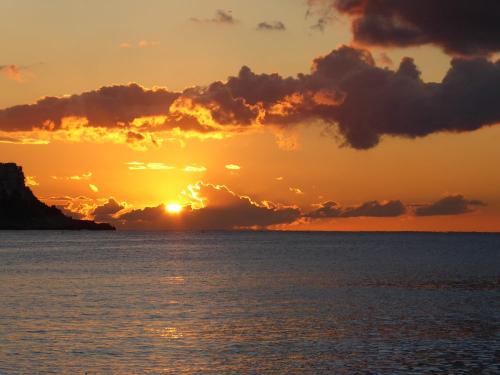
x=20 y=209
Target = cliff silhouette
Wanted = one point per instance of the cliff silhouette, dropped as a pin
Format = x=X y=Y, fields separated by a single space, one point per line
x=20 y=209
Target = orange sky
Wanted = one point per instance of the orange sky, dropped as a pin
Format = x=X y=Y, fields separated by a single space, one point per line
x=58 y=49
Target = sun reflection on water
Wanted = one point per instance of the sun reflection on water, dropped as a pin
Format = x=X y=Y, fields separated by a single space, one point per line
x=167 y=333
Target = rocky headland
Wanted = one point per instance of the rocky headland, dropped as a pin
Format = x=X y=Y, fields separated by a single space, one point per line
x=20 y=209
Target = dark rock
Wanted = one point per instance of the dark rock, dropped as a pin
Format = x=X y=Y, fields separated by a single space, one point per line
x=20 y=209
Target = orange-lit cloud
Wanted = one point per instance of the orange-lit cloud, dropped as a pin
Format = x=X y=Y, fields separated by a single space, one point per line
x=136 y=166
x=31 y=181
x=155 y=166
x=94 y=188
x=140 y=44
x=334 y=95
x=13 y=72
x=233 y=167
x=194 y=169
x=84 y=176
x=296 y=190
x=75 y=129
x=209 y=207
x=159 y=166
x=204 y=206
x=287 y=140
x=99 y=209
x=23 y=141
x=147 y=43
x=80 y=207
x=220 y=209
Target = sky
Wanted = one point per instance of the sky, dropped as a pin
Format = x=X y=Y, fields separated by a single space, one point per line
x=280 y=114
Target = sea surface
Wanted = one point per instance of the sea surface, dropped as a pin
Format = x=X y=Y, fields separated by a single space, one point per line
x=249 y=303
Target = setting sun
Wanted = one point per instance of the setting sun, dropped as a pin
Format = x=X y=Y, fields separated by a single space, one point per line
x=173 y=208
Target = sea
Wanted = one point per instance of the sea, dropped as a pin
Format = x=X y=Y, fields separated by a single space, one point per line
x=249 y=303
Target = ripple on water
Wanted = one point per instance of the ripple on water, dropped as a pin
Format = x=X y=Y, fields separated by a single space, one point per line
x=263 y=303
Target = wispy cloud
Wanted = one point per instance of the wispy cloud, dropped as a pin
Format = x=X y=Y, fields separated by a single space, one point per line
x=221 y=17
x=147 y=43
x=271 y=26
x=296 y=190
x=13 y=72
x=322 y=11
x=23 y=141
x=139 y=44
x=155 y=166
x=233 y=167
x=194 y=169
x=84 y=176
x=159 y=166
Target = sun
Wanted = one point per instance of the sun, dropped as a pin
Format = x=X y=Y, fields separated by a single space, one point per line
x=173 y=208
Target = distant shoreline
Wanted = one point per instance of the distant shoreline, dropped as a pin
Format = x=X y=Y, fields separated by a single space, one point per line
x=244 y=231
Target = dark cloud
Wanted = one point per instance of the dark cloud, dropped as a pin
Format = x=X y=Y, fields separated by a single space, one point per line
x=134 y=137
x=450 y=205
x=462 y=27
x=224 y=107
x=221 y=17
x=369 y=209
x=112 y=106
x=322 y=10
x=267 y=89
x=224 y=210
x=271 y=26
x=345 y=90
x=104 y=213
x=365 y=102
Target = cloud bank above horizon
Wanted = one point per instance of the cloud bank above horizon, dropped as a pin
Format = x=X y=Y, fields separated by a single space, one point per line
x=204 y=206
